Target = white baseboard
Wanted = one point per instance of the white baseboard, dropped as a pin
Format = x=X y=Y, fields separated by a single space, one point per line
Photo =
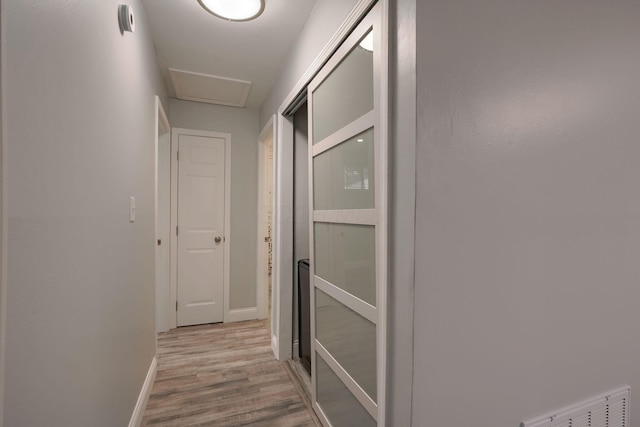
x=241 y=314
x=274 y=346
x=143 y=398
x=296 y=350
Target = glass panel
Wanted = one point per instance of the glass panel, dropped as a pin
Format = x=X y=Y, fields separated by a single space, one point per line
x=343 y=177
x=337 y=402
x=346 y=94
x=350 y=338
x=345 y=256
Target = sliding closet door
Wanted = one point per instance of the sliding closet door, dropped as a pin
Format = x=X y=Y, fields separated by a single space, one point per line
x=347 y=148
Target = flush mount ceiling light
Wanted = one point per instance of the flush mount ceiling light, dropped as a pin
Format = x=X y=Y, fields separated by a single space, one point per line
x=367 y=42
x=234 y=10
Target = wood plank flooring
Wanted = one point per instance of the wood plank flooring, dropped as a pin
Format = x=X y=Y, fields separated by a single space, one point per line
x=223 y=375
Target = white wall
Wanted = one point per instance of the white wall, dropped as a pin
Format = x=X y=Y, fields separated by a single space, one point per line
x=528 y=208
x=80 y=123
x=322 y=24
x=242 y=124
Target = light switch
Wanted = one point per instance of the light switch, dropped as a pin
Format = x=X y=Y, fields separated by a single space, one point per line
x=132 y=209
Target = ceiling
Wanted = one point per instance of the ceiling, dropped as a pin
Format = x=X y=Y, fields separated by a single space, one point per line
x=188 y=38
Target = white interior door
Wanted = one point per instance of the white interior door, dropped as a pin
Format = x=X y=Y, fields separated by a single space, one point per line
x=201 y=209
x=347 y=148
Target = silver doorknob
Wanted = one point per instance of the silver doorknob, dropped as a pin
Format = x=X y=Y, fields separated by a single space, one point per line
x=218 y=239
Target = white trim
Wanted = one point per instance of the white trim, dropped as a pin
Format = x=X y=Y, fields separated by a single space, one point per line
x=296 y=349
x=321 y=415
x=162 y=291
x=268 y=132
x=348 y=381
x=241 y=314
x=174 y=217
x=359 y=306
x=143 y=397
x=382 y=202
x=227 y=225
x=356 y=14
x=348 y=216
x=354 y=128
x=282 y=274
x=274 y=347
x=163 y=120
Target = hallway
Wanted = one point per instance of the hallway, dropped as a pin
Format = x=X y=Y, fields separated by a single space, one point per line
x=223 y=375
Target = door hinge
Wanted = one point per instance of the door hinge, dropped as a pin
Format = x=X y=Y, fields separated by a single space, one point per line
x=176 y=305
x=178 y=155
x=176 y=230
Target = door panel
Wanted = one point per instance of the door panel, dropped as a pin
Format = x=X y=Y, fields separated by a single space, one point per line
x=345 y=95
x=337 y=402
x=345 y=175
x=347 y=181
x=350 y=338
x=200 y=229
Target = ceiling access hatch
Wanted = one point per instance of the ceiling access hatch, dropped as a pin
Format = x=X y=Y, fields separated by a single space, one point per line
x=199 y=87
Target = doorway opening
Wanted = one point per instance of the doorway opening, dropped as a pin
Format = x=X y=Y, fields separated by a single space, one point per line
x=264 y=268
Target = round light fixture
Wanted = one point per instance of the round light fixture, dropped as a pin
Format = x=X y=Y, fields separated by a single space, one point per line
x=234 y=10
x=367 y=42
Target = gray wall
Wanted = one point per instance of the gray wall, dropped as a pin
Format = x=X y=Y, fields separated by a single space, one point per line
x=322 y=24
x=242 y=124
x=527 y=207
x=80 y=117
x=3 y=222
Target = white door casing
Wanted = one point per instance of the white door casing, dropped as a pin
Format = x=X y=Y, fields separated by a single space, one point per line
x=162 y=216
x=200 y=175
x=266 y=168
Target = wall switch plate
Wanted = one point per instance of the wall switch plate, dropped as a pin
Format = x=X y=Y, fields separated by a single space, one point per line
x=132 y=209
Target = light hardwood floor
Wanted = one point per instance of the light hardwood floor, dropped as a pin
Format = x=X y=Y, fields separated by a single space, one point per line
x=224 y=375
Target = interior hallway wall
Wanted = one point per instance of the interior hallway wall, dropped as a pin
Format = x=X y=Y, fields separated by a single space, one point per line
x=242 y=124
x=3 y=221
x=80 y=124
x=325 y=19
x=528 y=208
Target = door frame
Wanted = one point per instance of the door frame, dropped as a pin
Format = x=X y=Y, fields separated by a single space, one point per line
x=226 y=243
x=283 y=268
x=267 y=133
x=161 y=230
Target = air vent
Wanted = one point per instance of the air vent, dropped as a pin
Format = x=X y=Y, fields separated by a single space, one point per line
x=607 y=410
x=210 y=89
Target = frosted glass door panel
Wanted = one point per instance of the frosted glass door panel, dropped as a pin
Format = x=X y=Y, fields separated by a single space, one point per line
x=350 y=338
x=345 y=95
x=345 y=256
x=344 y=175
x=337 y=402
